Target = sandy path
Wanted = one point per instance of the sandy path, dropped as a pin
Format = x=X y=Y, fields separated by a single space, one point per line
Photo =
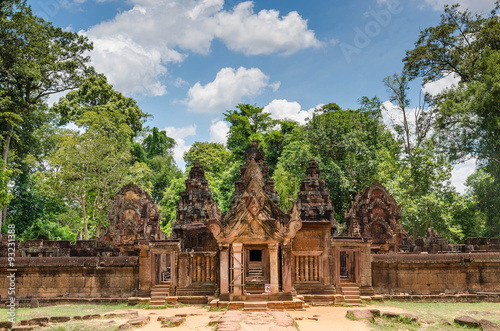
x=328 y=318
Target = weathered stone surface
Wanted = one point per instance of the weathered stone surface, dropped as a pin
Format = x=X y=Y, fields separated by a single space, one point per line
x=23 y=327
x=91 y=317
x=34 y=303
x=59 y=319
x=196 y=206
x=360 y=314
x=313 y=199
x=375 y=312
x=488 y=325
x=375 y=214
x=141 y=321
x=42 y=321
x=467 y=321
x=125 y=326
x=6 y=324
x=133 y=216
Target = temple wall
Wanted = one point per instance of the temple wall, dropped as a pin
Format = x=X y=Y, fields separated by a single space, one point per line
x=73 y=277
x=424 y=274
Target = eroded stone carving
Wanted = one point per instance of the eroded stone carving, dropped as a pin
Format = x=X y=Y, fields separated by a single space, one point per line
x=196 y=207
x=254 y=217
x=313 y=200
x=375 y=214
x=133 y=216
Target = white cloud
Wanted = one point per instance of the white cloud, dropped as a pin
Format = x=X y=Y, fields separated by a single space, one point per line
x=472 y=5
x=266 y=32
x=135 y=48
x=132 y=68
x=228 y=88
x=283 y=109
x=218 y=131
x=461 y=172
x=179 y=135
x=434 y=88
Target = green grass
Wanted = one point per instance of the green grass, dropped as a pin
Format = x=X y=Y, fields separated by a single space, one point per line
x=62 y=310
x=430 y=314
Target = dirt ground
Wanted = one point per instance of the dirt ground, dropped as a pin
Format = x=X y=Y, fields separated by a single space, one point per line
x=313 y=318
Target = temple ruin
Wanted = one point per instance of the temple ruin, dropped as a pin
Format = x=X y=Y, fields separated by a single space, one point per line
x=255 y=252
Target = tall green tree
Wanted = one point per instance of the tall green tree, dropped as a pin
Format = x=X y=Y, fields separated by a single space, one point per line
x=455 y=46
x=347 y=146
x=247 y=122
x=36 y=60
x=156 y=150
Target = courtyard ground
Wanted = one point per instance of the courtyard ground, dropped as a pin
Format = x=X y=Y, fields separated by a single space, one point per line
x=431 y=316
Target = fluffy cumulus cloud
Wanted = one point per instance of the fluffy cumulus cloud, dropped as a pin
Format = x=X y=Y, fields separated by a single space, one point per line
x=218 y=131
x=473 y=5
x=180 y=135
x=228 y=88
x=283 y=109
x=266 y=32
x=135 y=48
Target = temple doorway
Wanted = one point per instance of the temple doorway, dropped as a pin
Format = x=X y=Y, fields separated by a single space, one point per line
x=257 y=269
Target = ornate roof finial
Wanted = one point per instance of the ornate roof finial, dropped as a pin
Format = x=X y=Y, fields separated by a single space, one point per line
x=313 y=170
x=254 y=153
x=196 y=171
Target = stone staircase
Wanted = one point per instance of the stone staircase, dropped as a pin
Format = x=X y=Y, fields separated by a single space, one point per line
x=158 y=295
x=350 y=291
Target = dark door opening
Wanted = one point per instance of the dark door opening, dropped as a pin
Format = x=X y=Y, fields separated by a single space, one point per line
x=255 y=255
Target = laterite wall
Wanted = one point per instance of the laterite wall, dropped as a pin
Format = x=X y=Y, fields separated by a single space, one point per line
x=424 y=274
x=74 y=277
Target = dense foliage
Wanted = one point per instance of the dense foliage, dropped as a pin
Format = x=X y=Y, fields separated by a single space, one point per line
x=58 y=182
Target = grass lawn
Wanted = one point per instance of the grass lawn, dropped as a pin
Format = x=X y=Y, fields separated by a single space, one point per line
x=62 y=310
x=431 y=314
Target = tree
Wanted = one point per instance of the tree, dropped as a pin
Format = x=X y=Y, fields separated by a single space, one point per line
x=469 y=115
x=485 y=189
x=95 y=97
x=36 y=60
x=156 y=150
x=89 y=168
x=455 y=46
x=246 y=123
x=347 y=146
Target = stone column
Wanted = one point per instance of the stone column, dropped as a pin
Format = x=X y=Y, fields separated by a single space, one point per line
x=144 y=270
x=237 y=268
x=286 y=267
x=273 y=265
x=224 y=268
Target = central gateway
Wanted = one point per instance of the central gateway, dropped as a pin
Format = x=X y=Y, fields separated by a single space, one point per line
x=254 y=236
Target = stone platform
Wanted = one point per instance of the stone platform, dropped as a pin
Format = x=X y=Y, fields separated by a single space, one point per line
x=295 y=304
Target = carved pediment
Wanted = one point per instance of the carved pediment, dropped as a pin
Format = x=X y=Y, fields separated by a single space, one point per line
x=254 y=217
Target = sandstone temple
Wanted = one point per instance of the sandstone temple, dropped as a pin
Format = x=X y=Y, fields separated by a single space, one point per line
x=255 y=252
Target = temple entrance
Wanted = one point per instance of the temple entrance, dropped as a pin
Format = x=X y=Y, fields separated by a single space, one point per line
x=347 y=266
x=257 y=270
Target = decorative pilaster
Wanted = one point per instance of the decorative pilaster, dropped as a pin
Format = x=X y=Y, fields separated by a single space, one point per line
x=286 y=268
x=273 y=264
x=237 y=267
x=224 y=268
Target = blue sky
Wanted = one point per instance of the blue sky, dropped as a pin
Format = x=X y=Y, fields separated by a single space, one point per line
x=188 y=61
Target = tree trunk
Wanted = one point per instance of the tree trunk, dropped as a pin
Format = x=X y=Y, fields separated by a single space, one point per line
x=5 y=159
x=84 y=214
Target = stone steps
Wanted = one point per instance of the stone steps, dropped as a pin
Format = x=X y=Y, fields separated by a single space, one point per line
x=255 y=306
x=351 y=293
x=158 y=295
